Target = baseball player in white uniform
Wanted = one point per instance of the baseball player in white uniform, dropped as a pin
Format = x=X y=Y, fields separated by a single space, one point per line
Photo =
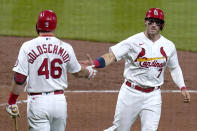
x=43 y=62
x=146 y=55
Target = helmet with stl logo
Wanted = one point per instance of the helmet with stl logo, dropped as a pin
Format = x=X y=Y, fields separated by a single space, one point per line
x=47 y=21
x=155 y=13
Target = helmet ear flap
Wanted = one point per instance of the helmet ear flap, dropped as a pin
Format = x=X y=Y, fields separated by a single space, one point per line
x=37 y=30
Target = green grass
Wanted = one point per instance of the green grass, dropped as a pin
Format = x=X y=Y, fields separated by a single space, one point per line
x=102 y=20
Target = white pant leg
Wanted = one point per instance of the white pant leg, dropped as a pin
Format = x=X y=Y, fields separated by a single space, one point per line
x=59 y=114
x=127 y=109
x=151 y=111
x=37 y=113
x=47 y=112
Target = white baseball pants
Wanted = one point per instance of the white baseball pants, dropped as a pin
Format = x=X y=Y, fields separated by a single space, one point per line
x=132 y=103
x=47 y=112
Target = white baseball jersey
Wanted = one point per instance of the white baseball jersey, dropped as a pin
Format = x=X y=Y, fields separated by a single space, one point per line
x=145 y=61
x=45 y=60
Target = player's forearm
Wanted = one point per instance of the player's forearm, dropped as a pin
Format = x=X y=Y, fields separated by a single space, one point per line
x=109 y=58
x=17 y=89
x=83 y=73
x=104 y=60
x=15 y=92
x=177 y=77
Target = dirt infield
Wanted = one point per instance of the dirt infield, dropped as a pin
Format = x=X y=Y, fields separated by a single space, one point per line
x=93 y=111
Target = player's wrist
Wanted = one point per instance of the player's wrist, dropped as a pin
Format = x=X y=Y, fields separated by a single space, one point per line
x=91 y=72
x=99 y=62
x=183 y=88
x=12 y=98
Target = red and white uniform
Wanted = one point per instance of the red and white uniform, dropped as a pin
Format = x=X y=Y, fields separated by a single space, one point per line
x=45 y=61
x=145 y=62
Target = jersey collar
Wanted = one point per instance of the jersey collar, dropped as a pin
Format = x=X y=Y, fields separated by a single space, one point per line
x=46 y=35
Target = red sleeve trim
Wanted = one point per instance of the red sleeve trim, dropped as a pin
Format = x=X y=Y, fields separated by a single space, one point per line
x=99 y=62
x=12 y=99
x=19 y=78
x=96 y=63
x=183 y=88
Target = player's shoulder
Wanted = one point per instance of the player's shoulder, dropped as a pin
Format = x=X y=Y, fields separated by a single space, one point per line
x=132 y=39
x=167 y=42
x=29 y=42
x=137 y=35
x=64 y=44
x=67 y=46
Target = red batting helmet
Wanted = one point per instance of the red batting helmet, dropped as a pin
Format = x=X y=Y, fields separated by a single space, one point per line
x=155 y=13
x=47 y=21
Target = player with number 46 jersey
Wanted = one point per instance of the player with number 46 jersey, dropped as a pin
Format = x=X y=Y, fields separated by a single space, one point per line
x=44 y=62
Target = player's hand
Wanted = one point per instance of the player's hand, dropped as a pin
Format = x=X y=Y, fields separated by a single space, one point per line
x=92 y=71
x=87 y=62
x=13 y=110
x=186 y=95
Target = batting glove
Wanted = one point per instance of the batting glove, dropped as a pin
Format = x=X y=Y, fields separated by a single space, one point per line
x=92 y=72
x=13 y=110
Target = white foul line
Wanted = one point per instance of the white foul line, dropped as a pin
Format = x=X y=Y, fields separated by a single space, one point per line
x=18 y=102
x=103 y=91
x=116 y=91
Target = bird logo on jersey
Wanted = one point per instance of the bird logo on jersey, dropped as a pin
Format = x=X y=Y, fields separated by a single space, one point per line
x=163 y=53
x=151 y=62
x=141 y=54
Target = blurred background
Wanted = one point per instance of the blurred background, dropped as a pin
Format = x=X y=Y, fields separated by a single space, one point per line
x=102 y=20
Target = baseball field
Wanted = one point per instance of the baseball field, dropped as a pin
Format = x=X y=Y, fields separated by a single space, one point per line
x=92 y=26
